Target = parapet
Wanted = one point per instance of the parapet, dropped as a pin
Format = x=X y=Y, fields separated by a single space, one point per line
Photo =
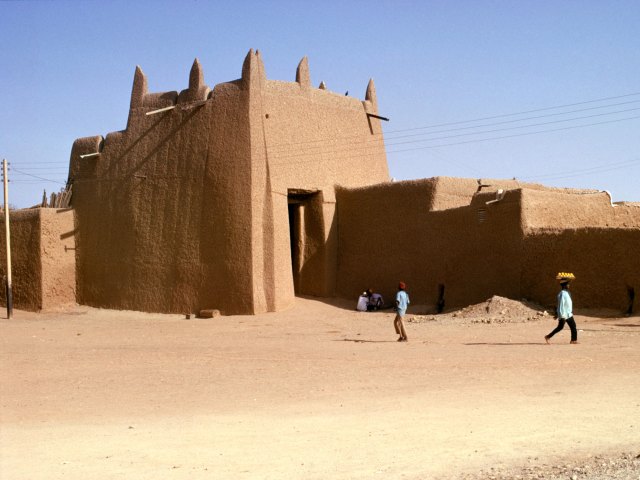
x=561 y=209
x=85 y=154
x=197 y=90
x=252 y=77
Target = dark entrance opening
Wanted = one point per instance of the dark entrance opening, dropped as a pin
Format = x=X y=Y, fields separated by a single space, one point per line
x=305 y=238
x=295 y=234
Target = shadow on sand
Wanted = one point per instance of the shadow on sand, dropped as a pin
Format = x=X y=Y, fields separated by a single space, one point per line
x=505 y=344
x=357 y=340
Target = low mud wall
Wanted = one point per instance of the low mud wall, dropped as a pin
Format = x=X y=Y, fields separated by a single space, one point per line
x=606 y=262
x=26 y=271
x=387 y=233
x=42 y=259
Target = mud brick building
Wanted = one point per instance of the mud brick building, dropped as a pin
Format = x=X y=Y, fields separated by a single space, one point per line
x=242 y=196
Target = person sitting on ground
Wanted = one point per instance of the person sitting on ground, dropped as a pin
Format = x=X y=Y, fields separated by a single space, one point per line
x=375 y=301
x=363 y=301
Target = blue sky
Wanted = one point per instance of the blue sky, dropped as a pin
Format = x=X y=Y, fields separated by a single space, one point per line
x=67 y=71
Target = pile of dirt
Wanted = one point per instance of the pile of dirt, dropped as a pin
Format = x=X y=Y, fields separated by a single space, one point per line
x=494 y=310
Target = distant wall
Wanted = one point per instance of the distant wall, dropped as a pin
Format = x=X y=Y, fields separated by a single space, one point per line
x=606 y=262
x=387 y=233
x=560 y=209
x=396 y=231
x=43 y=270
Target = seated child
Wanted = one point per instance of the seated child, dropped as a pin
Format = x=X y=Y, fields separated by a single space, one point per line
x=363 y=301
x=375 y=301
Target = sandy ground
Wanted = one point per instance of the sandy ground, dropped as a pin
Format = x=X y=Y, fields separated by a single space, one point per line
x=315 y=392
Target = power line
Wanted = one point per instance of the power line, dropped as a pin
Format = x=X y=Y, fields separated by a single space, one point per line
x=585 y=171
x=37 y=163
x=388 y=136
x=377 y=142
x=515 y=135
x=520 y=120
x=43 y=168
x=589 y=168
x=379 y=137
x=39 y=178
x=516 y=127
x=518 y=113
x=319 y=148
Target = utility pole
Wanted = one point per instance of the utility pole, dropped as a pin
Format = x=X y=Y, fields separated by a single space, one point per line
x=8 y=237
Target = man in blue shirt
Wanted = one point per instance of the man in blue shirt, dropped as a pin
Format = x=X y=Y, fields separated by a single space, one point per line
x=402 y=302
x=565 y=309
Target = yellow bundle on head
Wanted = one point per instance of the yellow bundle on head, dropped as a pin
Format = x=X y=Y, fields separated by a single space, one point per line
x=565 y=276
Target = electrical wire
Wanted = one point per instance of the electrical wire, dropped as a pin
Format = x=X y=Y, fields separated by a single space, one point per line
x=36 y=163
x=584 y=171
x=512 y=128
x=51 y=169
x=387 y=137
x=516 y=135
x=519 y=113
x=314 y=150
x=373 y=144
x=36 y=176
x=388 y=134
x=377 y=143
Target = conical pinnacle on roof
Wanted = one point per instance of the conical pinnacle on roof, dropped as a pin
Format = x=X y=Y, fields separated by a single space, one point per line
x=196 y=76
x=139 y=89
x=370 y=95
x=302 y=73
x=252 y=68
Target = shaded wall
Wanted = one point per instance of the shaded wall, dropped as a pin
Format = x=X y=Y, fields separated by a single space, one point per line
x=164 y=213
x=388 y=233
x=580 y=232
x=26 y=267
x=43 y=259
x=606 y=262
x=512 y=247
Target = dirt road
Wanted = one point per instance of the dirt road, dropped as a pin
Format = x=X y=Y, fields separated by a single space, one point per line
x=315 y=392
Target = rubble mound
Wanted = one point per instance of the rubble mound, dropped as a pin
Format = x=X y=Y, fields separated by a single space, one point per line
x=494 y=310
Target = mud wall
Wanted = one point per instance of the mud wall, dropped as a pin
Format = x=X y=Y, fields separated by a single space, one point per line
x=575 y=209
x=42 y=259
x=188 y=208
x=58 y=258
x=164 y=212
x=605 y=261
x=315 y=139
x=387 y=233
x=397 y=231
x=26 y=269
